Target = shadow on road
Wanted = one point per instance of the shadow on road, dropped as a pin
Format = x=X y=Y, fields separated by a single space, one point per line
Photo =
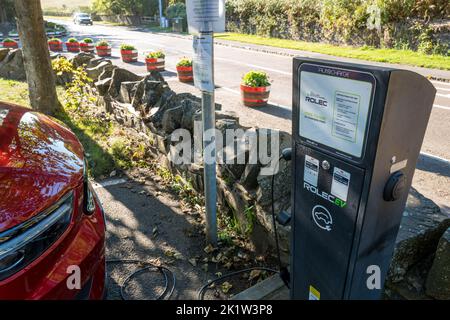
x=145 y=224
x=429 y=164
x=276 y=111
x=169 y=74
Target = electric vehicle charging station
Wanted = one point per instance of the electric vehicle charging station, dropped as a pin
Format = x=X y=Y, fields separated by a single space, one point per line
x=357 y=134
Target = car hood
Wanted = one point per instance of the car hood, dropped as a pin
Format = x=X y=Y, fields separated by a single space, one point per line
x=40 y=160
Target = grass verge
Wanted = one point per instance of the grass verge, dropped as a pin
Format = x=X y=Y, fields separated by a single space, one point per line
x=407 y=57
x=107 y=145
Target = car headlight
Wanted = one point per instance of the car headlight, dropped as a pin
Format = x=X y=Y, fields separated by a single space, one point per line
x=88 y=195
x=21 y=245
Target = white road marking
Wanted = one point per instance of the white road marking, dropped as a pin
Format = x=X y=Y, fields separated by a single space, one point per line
x=443 y=95
x=443 y=89
x=440 y=159
x=254 y=66
x=445 y=84
x=108 y=183
x=230 y=90
x=441 y=107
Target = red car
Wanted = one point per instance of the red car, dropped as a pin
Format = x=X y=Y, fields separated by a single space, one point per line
x=52 y=226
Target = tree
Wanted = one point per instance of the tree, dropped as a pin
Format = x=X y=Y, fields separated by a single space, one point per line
x=38 y=68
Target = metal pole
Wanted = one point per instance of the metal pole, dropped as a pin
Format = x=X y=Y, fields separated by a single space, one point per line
x=209 y=123
x=161 y=14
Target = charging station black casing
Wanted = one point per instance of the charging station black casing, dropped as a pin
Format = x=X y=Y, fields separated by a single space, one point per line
x=357 y=134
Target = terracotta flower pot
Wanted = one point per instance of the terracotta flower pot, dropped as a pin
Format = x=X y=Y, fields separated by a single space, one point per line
x=87 y=47
x=255 y=96
x=10 y=45
x=129 y=55
x=185 y=74
x=103 y=51
x=55 y=46
x=157 y=64
x=73 y=46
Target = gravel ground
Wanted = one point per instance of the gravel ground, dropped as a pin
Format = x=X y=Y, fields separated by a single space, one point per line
x=145 y=221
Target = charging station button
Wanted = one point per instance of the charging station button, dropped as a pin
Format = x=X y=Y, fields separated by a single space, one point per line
x=395 y=186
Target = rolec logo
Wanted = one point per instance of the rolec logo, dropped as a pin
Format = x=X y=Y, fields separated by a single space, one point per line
x=325 y=195
x=316 y=99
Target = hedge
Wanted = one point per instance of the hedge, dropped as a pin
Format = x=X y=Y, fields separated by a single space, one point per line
x=400 y=22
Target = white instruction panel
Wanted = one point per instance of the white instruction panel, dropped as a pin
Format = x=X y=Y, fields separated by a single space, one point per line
x=334 y=111
x=340 y=184
x=203 y=63
x=205 y=15
x=311 y=172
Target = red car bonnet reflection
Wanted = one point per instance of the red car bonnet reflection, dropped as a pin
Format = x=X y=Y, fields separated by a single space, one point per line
x=39 y=161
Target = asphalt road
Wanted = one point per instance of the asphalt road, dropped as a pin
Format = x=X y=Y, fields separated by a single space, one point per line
x=231 y=63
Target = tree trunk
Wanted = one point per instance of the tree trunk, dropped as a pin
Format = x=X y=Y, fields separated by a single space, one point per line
x=40 y=76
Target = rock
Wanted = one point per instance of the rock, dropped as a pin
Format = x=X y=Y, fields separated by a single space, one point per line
x=107 y=72
x=64 y=78
x=81 y=59
x=120 y=75
x=12 y=66
x=152 y=92
x=172 y=119
x=55 y=55
x=3 y=53
x=181 y=107
x=96 y=61
x=249 y=178
x=421 y=227
x=231 y=115
x=127 y=90
x=438 y=280
x=103 y=86
x=282 y=169
x=126 y=115
x=238 y=199
x=96 y=71
x=171 y=101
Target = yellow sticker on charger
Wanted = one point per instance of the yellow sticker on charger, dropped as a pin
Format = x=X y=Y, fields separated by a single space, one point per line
x=314 y=294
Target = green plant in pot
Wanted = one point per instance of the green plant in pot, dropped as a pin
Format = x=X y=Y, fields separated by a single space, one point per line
x=72 y=45
x=185 y=70
x=87 y=45
x=103 y=49
x=55 y=44
x=10 y=43
x=255 y=89
x=155 y=60
x=129 y=53
x=127 y=47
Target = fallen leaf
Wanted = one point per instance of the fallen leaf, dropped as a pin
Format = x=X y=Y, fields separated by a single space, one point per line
x=205 y=267
x=178 y=256
x=209 y=248
x=218 y=274
x=193 y=261
x=169 y=253
x=226 y=286
x=254 y=274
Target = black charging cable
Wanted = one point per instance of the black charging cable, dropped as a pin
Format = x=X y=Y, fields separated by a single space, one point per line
x=285 y=276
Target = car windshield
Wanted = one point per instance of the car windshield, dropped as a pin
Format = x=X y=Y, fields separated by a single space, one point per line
x=83 y=15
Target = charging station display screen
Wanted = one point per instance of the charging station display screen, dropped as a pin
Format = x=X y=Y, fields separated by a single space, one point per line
x=334 y=107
